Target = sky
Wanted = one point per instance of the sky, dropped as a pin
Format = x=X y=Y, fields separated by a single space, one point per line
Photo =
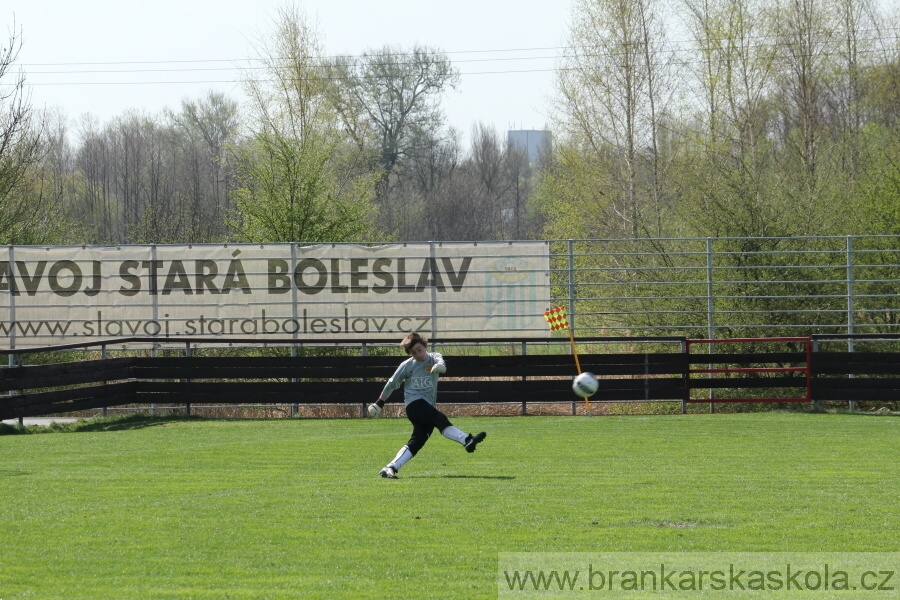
x=107 y=57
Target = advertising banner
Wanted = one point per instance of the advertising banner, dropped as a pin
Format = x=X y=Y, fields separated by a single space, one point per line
x=253 y=292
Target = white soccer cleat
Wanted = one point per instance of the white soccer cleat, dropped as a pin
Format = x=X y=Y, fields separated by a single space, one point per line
x=389 y=473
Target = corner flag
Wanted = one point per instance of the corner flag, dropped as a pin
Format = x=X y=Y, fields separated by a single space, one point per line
x=558 y=319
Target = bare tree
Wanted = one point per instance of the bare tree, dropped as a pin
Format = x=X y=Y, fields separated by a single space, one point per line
x=442 y=193
x=860 y=49
x=518 y=173
x=208 y=127
x=297 y=180
x=504 y=174
x=389 y=100
x=806 y=35
x=156 y=178
x=24 y=207
x=733 y=159
x=612 y=84
x=96 y=204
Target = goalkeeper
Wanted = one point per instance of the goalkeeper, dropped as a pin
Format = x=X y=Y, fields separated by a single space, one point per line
x=419 y=375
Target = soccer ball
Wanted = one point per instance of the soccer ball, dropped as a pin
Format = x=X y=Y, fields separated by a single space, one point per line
x=585 y=385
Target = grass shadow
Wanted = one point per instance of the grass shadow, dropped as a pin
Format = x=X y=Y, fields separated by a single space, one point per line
x=846 y=412
x=130 y=422
x=123 y=423
x=13 y=473
x=497 y=477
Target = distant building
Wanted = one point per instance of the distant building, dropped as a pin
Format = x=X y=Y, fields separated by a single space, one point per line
x=532 y=141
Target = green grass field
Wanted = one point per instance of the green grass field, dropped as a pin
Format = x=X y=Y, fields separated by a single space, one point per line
x=141 y=508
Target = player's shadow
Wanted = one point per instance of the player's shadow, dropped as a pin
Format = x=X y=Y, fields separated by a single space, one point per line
x=496 y=477
x=13 y=473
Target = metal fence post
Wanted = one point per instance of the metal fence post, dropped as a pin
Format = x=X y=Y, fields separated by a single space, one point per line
x=710 y=313
x=103 y=357
x=294 y=380
x=432 y=263
x=13 y=361
x=850 y=323
x=12 y=303
x=153 y=355
x=294 y=315
x=685 y=349
x=154 y=296
x=524 y=403
x=363 y=412
x=710 y=303
x=572 y=310
x=815 y=347
x=187 y=354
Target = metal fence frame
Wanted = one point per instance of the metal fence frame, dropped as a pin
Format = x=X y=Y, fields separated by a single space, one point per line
x=729 y=287
x=724 y=287
x=721 y=287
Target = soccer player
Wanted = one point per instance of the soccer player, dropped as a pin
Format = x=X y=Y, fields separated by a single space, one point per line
x=419 y=375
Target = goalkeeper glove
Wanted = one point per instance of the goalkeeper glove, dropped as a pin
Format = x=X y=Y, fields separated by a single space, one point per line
x=375 y=409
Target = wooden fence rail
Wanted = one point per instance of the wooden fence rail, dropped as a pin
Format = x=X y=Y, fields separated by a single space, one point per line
x=35 y=390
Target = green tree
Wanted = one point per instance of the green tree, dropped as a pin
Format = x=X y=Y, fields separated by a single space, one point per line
x=574 y=194
x=298 y=177
x=290 y=192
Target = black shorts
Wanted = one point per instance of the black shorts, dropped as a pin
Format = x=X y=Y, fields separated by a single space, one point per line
x=425 y=419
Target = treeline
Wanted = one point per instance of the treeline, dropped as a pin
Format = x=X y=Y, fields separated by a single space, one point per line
x=750 y=122
x=750 y=118
x=323 y=149
x=704 y=118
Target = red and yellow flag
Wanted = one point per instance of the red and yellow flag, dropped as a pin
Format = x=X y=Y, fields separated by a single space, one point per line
x=557 y=318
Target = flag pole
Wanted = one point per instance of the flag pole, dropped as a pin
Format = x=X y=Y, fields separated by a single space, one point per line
x=557 y=319
x=587 y=400
x=574 y=351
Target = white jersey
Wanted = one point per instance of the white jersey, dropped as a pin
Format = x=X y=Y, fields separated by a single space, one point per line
x=418 y=383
